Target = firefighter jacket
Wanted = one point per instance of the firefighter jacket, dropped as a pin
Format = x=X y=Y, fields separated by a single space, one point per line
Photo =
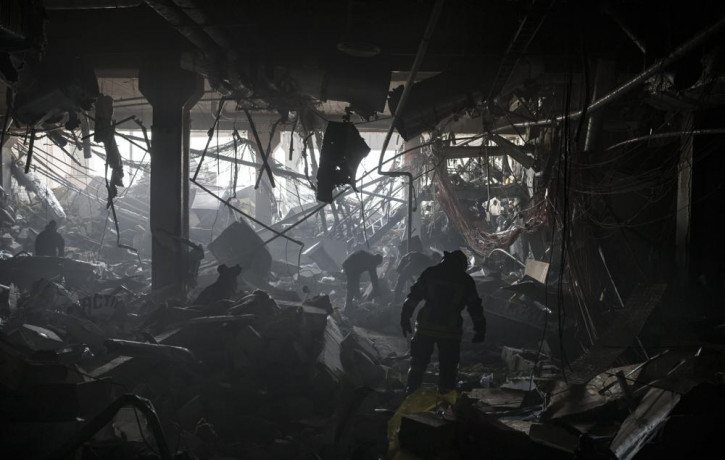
x=446 y=291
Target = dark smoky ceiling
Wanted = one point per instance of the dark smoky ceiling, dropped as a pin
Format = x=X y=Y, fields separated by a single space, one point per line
x=279 y=55
x=293 y=31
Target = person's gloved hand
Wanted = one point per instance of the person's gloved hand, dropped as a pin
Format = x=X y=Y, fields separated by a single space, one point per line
x=406 y=327
x=480 y=336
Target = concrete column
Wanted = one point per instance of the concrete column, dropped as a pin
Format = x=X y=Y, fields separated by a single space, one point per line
x=171 y=92
x=186 y=143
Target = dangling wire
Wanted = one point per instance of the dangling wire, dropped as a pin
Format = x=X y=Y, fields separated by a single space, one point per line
x=30 y=150
x=362 y=215
x=210 y=134
x=292 y=138
x=115 y=220
x=236 y=164
x=304 y=157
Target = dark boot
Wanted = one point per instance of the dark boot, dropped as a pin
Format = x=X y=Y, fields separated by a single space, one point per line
x=421 y=348
x=449 y=353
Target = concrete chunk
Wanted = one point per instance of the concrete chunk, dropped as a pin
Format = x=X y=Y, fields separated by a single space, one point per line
x=36 y=338
x=329 y=357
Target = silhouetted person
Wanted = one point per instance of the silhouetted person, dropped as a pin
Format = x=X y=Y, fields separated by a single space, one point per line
x=357 y=263
x=225 y=287
x=49 y=242
x=446 y=289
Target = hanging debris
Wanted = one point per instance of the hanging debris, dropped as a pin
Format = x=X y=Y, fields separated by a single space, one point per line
x=342 y=151
x=31 y=182
x=105 y=133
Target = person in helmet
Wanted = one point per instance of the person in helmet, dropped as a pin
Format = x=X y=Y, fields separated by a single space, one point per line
x=446 y=289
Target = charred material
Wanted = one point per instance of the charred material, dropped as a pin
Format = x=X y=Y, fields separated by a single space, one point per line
x=342 y=151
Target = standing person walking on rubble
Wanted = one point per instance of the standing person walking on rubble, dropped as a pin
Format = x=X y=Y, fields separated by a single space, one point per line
x=357 y=263
x=446 y=289
x=49 y=242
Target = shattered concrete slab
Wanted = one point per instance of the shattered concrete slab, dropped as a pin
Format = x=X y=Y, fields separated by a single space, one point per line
x=36 y=338
x=387 y=346
x=498 y=397
x=582 y=401
x=329 y=358
x=643 y=423
x=621 y=333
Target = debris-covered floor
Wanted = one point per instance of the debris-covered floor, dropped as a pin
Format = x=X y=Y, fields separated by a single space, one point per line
x=361 y=230
x=94 y=363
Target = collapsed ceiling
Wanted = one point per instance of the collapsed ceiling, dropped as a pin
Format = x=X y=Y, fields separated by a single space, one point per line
x=571 y=149
x=285 y=56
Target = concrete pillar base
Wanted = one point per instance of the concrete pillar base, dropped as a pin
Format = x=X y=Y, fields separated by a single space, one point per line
x=171 y=92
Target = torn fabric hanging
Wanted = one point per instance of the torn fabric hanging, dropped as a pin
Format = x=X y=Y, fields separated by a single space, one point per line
x=105 y=133
x=342 y=151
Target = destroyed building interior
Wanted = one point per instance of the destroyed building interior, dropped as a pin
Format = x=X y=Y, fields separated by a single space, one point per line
x=361 y=229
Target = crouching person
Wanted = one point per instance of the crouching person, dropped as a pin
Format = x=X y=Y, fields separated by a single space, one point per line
x=225 y=287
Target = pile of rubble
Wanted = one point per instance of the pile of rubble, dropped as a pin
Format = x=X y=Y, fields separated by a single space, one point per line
x=239 y=378
x=656 y=409
x=100 y=365
x=93 y=361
